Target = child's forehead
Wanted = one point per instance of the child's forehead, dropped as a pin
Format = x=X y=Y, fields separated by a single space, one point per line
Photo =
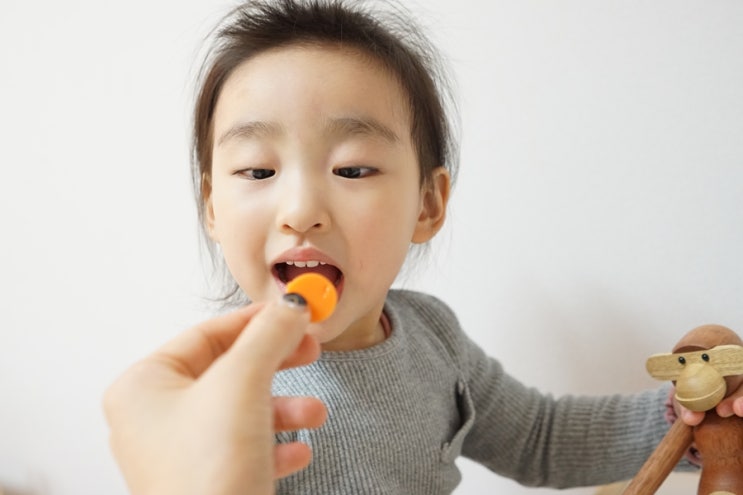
x=342 y=58
x=333 y=80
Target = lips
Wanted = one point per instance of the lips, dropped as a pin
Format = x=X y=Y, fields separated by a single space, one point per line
x=289 y=270
x=297 y=261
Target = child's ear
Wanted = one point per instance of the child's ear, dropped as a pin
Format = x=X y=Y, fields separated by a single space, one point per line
x=206 y=194
x=433 y=206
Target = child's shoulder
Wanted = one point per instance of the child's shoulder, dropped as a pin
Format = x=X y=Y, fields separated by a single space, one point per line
x=417 y=298
x=425 y=314
x=426 y=304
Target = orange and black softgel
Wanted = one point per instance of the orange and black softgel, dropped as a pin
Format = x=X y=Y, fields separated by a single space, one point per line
x=318 y=291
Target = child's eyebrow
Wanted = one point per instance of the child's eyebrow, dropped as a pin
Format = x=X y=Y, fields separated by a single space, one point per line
x=349 y=126
x=342 y=126
x=248 y=130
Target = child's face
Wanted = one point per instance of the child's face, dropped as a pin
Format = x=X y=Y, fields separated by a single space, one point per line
x=313 y=162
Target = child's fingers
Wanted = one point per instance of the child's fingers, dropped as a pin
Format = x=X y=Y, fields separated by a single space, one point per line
x=297 y=413
x=290 y=458
x=738 y=406
x=691 y=418
x=731 y=406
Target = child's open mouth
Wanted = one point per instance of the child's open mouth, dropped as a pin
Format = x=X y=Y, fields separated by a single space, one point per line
x=289 y=270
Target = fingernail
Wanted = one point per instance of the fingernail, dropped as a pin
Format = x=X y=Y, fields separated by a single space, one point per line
x=295 y=300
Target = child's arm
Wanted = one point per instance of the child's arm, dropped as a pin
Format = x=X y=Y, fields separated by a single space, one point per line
x=561 y=442
x=197 y=416
x=533 y=438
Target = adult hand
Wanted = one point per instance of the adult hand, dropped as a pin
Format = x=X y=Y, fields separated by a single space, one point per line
x=197 y=416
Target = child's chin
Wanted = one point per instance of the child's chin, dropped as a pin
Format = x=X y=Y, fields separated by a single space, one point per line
x=326 y=333
x=322 y=332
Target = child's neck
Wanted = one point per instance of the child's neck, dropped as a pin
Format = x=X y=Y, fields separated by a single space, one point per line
x=379 y=334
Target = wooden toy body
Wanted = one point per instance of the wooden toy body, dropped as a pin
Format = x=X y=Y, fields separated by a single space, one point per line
x=720 y=444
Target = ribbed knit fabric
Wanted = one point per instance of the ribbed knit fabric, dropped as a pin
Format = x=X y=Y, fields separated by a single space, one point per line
x=401 y=412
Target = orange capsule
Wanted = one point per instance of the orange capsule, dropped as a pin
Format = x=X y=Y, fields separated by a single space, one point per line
x=318 y=291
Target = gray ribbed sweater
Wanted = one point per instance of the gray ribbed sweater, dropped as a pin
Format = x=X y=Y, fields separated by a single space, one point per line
x=402 y=411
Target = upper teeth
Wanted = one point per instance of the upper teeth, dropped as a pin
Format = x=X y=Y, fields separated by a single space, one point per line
x=305 y=264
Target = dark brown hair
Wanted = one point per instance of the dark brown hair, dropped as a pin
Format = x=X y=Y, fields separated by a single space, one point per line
x=388 y=36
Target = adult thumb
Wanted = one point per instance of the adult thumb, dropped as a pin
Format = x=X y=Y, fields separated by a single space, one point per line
x=271 y=337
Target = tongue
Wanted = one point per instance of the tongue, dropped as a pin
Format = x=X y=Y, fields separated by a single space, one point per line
x=328 y=271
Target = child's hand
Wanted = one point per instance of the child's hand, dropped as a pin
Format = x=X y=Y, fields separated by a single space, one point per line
x=729 y=406
x=197 y=416
x=733 y=404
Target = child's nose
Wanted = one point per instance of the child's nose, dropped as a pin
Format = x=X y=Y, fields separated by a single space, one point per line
x=302 y=208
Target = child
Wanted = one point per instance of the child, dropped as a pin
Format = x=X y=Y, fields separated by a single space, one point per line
x=322 y=143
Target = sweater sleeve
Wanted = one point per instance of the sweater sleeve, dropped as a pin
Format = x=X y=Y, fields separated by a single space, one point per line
x=571 y=441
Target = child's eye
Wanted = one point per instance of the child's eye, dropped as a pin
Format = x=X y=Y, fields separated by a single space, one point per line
x=256 y=173
x=354 y=172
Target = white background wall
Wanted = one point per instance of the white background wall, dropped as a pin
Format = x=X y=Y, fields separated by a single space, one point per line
x=596 y=219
